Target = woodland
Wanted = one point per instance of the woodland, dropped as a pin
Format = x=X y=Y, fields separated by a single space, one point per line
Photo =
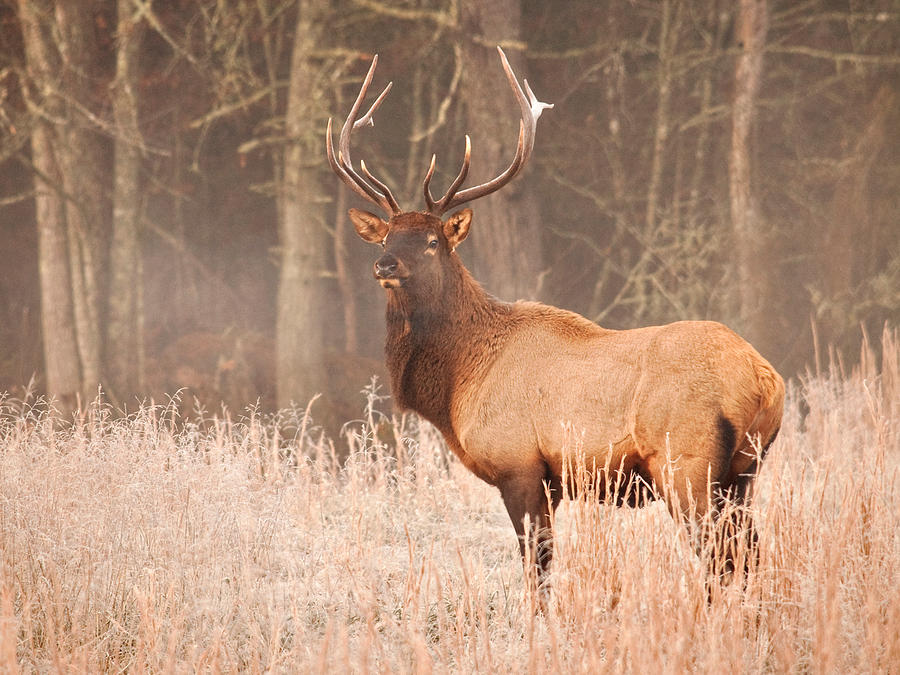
x=185 y=308
x=170 y=226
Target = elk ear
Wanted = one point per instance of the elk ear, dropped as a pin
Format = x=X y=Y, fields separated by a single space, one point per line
x=456 y=227
x=369 y=226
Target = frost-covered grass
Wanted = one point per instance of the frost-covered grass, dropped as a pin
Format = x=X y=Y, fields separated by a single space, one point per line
x=148 y=543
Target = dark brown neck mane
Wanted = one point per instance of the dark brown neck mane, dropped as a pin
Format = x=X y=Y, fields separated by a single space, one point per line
x=435 y=345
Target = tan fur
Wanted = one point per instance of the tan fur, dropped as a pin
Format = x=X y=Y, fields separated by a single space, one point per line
x=622 y=392
x=516 y=388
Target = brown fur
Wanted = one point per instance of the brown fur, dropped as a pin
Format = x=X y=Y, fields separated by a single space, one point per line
x=508 y=383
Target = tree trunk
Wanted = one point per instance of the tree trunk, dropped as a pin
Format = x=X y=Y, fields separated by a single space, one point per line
x=846 y=243
x=300 y=331
x=507 y=232
x=716 y=24
x=61 y=362
x=83 y=162
x=65 y=65
x=850 y=203
x=668 y=39
x=125 y=346
x=752 y=25
x=342 y=270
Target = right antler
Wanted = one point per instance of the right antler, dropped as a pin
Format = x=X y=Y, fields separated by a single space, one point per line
x=531 y=110
x=379 y=195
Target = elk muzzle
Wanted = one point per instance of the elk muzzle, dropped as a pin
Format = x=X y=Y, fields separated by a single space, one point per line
x=390 y=271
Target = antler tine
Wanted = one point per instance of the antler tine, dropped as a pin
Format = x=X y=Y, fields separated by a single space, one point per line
x=484 y=189
x=351 y=123
x=343 y=164
x=359 y=187
x=530 y=106
x=392 y=203
x=441 y=205
x=531 y=109
x=426 y=186
x=367 y=118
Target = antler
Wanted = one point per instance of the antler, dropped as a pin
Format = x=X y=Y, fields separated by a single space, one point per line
x=379 y=195
x=531 y=110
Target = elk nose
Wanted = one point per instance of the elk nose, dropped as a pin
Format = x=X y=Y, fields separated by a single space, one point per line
x=386 y=267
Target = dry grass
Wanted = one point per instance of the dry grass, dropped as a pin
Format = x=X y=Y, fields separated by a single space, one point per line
x=140 y=544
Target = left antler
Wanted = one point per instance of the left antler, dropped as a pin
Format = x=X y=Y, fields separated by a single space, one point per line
x=531 y=110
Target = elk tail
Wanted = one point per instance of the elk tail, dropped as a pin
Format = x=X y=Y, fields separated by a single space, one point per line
x=771 y=405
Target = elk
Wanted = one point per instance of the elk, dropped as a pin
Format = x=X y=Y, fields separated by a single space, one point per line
x=505 y=383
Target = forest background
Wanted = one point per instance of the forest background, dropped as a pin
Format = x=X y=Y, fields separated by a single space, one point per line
x=168 y=218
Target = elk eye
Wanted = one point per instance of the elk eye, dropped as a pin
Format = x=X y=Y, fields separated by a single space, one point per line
x=433 y=244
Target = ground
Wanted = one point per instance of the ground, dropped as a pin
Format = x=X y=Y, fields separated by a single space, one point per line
x=163 y=544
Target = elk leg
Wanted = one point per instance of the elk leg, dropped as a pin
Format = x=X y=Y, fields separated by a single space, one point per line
x=726 y=540
x=525 y=495
x=685 y=484
x=735 y=537
x=727 y=536
x=734 y=543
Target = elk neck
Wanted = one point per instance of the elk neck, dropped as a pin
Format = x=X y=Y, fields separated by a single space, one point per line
x=437 y=343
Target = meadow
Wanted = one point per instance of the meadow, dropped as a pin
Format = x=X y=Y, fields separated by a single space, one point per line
x=162 y=542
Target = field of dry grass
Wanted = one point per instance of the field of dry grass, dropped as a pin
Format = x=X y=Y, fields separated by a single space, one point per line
x=160 y=545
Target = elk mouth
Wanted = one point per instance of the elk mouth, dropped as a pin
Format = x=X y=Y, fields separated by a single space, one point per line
x=393 y=278
x=391 y=282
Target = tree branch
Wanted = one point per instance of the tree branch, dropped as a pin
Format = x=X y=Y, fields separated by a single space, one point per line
x=443 y=19
x=839 y=57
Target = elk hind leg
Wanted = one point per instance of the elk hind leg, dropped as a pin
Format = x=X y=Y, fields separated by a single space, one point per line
x=736 y=540
x=692 y=488
x=735 y=545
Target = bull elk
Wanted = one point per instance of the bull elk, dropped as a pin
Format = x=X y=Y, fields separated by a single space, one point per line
x=689 y=402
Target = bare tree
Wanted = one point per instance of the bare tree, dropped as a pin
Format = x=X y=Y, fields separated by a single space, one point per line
x=508 y=246
x=125 y=344
x=83 y=159
x=65 y=68
x=843 y=265
x=61 y=361
x=752 y=26
x=300 y=330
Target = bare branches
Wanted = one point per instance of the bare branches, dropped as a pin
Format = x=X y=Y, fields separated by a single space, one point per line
x=231 y=107
x=837 y=57
x=18 y=198
x=441 y=117
x=145 y=10
x=448 y=19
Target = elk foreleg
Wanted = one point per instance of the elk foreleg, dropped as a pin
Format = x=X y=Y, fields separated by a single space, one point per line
x=525 y=496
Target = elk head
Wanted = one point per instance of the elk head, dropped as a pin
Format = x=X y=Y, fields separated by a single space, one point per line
x=417 y=244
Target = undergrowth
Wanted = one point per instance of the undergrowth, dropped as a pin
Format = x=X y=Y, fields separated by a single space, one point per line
x=147 y=542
